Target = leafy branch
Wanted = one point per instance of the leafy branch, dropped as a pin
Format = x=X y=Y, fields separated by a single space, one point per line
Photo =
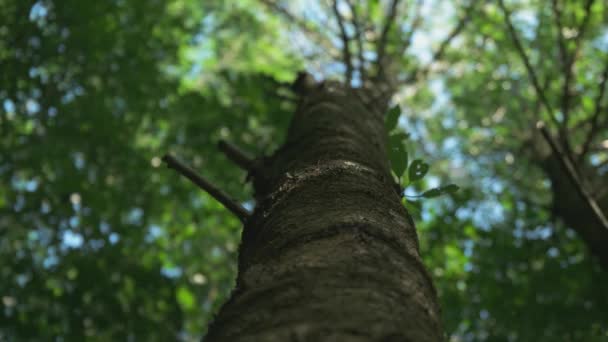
x=406 y=173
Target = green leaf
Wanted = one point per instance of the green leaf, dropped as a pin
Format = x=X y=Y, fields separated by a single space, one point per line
x=449 y=189
x=392 y=117
x=398 y=158
x=397 y=153
x=418 y=170
x=442 y=190
x=588 y=103
x=397 y=138
x=434 y=192
x=412 y=206
x=185 y=298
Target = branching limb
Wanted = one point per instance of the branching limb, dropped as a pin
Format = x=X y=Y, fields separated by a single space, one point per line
x=567 y=60
x=595 y=119
x=535 y=83
x=346 y=55
x=456 y=31
x=438 y=54
x=416 y=21
x=571 y=173
x=313 y=33
x=581 y=32
x=204 y=184
x=524 y=57
x=383 y=41
x=561 y=40
x=566 y=67
x=359 y=39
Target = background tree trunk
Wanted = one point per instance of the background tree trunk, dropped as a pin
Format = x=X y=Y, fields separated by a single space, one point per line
x=330 y=253
x=568 y=205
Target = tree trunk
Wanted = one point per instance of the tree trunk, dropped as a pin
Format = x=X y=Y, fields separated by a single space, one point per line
x=575 y=212
x=330 y=253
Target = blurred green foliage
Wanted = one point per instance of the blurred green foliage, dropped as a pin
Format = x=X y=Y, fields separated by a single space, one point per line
x=98 y=241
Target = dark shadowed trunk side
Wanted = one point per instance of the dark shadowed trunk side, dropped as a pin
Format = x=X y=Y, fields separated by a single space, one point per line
x=330 y=253
x=568 y=205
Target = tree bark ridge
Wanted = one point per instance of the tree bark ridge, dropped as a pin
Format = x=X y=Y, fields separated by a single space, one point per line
x=330 y=253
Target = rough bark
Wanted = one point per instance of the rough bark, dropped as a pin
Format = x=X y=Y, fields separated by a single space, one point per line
x=330 y=253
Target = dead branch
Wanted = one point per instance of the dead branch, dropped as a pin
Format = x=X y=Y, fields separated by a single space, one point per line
x=236 y=155
x=206 y=185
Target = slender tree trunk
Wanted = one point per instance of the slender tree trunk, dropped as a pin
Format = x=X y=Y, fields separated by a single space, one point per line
x=330 y=253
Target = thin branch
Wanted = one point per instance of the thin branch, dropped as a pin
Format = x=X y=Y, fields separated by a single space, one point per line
x=346 y=57
x=522 y=54
x=416 y=21
x=581 y=32
x=520 y=49
x=571 y=173
x=381 y=49
x=236 y=155
x=539 y=91
x=438 y=54
x=566 y=66
x=561 y=40
x=600 y=147
x=359 y=39
x=456 y=31
x=571 y=60
x=595 y=119
x=204 y=184
x=568 y=60
x=314 y=34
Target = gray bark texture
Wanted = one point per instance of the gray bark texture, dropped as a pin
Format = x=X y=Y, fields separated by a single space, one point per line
x=330 y=253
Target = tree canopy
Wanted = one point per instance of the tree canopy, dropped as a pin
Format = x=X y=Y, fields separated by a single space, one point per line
x=99 y=241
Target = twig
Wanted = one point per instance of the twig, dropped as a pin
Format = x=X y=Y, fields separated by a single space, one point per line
x=346 y=58
x=381 y=49
x=581 y=32
x=456 y=31
x=314 y=34
x=595 y=120
x=358 y=39
x=236 y=155
x=204 y=184
x=566 y=67
x=568 y=60
x=462 y=23
x=416 y=21
x=557 y=16
x=571 y=60
x=539 y=91
x=569 y=169
x=522 y=53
